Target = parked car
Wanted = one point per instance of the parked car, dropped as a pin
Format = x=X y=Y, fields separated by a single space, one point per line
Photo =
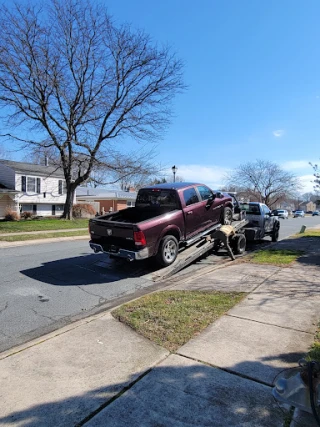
x=315 y=213
x=309 y=212
x=165 y=217
x=298 y=214
x=281 y=213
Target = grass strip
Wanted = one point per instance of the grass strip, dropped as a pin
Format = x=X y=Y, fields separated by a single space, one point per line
x=41 y=224
x=172 y=318
x=308 y=233
x=275 y=256
x=314 y=353
x=23 y=237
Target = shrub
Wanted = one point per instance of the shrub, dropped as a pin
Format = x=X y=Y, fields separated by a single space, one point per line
x=26 y=215
x=83 y=210
x=11 y=215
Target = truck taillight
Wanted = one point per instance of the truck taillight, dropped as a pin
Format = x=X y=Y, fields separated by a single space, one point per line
x=139 y=238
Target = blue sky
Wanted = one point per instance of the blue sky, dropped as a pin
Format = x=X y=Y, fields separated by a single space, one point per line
x=253 y=71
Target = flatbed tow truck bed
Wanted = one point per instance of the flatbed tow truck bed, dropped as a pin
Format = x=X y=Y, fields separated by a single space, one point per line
x=192 y=253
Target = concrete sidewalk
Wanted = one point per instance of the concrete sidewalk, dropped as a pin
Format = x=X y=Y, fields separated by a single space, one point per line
x=98 y=372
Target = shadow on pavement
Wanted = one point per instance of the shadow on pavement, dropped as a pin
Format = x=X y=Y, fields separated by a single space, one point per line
x=180 y=392
x=309 y=245
x=88 y=269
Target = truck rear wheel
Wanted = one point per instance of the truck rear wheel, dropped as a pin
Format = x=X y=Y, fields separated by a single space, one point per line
x=168 y=251
x=239 y=244
x=275 y=232
x=227 y=216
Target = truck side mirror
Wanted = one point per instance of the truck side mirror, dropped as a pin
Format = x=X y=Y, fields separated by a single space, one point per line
x=210 y=200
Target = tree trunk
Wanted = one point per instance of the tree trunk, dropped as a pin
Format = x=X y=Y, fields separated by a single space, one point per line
x=67 y=212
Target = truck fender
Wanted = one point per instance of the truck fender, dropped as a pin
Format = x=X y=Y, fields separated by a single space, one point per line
x=170 y=229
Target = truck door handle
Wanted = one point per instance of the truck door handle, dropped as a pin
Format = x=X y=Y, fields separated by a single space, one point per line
x=190 y=213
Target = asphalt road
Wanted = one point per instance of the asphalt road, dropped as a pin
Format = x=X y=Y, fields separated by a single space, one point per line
x=46 y=286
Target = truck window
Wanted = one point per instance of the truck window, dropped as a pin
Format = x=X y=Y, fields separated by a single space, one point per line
x=266 y=210
x=190 y=196
x=205 y=192
x=250 y=209
x=157 y=198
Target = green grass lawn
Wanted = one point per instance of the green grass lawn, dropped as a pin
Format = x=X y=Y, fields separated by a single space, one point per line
x=22 y=237
x=308 y=233
x=275 y=256
x=171 y=318
x=314 y=353
x=41 y=224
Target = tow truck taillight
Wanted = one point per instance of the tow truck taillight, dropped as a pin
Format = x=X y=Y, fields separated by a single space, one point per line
x=139 y=238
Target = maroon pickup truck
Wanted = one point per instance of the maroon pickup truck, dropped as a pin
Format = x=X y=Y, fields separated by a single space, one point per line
x=165 y=217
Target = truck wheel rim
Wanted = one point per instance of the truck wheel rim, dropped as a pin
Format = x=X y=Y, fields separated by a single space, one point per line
x=169 y=251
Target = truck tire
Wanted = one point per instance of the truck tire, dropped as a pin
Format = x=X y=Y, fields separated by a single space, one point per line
x=168 y=251
x=239 y=244
x=227 y=216
x=275 y=232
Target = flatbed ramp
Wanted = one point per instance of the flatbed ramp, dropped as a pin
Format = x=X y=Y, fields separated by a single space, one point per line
x=192 y=253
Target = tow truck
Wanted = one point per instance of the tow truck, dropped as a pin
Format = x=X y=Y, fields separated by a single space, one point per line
x=253 y=221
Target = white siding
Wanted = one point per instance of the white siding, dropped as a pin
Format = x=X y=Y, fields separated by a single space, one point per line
x=6 y=202
x=49 y=191
x=7 y=176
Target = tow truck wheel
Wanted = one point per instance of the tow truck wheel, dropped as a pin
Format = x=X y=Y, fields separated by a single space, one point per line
x=168 y=251
x=275 y=233
x=227 y=216
x=239 y=244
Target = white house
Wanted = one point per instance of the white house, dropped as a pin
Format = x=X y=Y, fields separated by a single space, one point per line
x=25 y=187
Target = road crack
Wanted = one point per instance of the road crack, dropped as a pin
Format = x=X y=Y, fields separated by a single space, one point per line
x=5 y=307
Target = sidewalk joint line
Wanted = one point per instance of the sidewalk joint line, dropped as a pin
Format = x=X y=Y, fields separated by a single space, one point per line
x=229 y=371
x=269 y=324
x=119 y=394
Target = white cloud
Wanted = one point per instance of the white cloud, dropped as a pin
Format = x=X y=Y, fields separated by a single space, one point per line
x=213 y=176
x=308 y=183
x=278 y=133
x=295 y=164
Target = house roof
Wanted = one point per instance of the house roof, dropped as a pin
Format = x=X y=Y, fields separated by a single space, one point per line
x=32 y=169
x=101 y=193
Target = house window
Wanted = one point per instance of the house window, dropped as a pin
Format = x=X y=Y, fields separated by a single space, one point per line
x=130 y=204
x=29 y=208
x=26 y=208
x=60 y=188
x=30 y=184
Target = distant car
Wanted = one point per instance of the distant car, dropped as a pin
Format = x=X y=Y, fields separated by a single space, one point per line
x=298 y=213
x=281 y=213
x=315 y=213
x=309 y=212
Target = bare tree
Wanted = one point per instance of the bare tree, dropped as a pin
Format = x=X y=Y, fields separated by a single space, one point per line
x=264 y=181
x=72 y=80
x=316 y=174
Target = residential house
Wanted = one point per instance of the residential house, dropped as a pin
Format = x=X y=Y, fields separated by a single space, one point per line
x=26 y=187
x=105 y=200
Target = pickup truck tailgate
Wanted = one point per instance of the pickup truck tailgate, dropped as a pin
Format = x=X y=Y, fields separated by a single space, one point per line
x=112 y=234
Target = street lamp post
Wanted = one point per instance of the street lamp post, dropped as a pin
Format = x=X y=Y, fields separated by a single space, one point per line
x=174 y=170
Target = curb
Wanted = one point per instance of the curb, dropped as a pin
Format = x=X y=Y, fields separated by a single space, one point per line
x=4 y=245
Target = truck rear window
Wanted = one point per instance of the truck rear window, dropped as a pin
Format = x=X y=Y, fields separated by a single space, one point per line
x=250 y=209
x=157 y=198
